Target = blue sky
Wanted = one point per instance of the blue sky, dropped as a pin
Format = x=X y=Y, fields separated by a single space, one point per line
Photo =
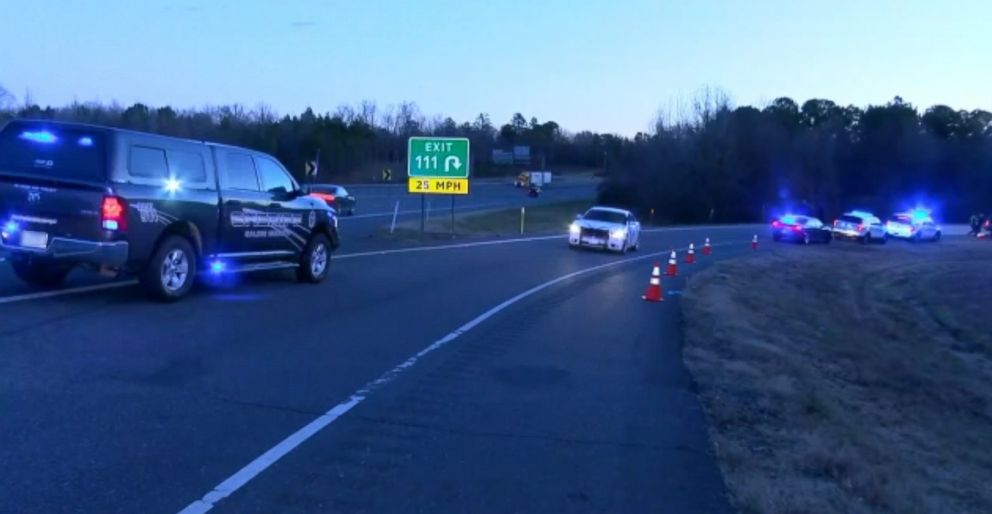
x=587 y=64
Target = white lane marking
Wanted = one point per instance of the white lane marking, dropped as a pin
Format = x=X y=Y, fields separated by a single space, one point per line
x=65 y=292
x=445 y=247
x=414 y=249
x=272 y=455
x=344 y=219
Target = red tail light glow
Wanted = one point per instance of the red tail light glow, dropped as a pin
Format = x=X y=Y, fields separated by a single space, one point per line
x=113 y=213
x=776 y=224
x=327 y=197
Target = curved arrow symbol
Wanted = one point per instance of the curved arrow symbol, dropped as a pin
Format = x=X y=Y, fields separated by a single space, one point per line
x=452 y=161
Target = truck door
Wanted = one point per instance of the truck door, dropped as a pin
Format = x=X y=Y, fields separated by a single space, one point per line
x=244 y=224
x=289 y=214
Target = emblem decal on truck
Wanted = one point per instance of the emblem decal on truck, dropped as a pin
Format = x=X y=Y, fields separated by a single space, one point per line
x=149 y=214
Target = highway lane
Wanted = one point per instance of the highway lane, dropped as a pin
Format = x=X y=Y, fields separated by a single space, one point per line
x=114 y=404
x=376 y=206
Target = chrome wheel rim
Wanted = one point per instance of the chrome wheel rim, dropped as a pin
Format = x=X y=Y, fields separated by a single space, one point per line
x=318 y=260
x=175 y=270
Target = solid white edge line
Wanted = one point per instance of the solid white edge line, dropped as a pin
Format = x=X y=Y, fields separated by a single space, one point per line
x=272 y=455
x=65 y=292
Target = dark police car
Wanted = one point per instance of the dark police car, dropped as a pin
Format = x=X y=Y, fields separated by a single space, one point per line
x=162 y=208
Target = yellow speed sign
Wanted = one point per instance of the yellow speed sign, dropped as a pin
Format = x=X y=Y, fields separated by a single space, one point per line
x=441 y=186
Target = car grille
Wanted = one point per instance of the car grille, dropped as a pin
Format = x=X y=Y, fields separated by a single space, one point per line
x=598 y=233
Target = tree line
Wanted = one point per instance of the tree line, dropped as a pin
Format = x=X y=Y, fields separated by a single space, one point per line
x=709 y=162
x=727 y=164
x=354 y=142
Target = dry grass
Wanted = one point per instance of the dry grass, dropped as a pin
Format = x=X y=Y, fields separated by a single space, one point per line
x=547 y=218
x=849 y=378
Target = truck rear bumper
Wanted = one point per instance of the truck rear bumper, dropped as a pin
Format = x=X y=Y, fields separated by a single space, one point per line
x=114 y=254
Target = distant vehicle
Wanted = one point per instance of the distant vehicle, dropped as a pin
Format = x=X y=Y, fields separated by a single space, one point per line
x=529 y=178
x=336 y=196
x=161 y=208
x=607 y=228
x=801 y=229
x=914 y=226
x=861 y=226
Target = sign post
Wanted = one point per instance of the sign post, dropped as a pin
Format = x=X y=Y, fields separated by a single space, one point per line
x=438 y=165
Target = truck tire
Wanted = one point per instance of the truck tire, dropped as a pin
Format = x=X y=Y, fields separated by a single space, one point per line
x=40 y=274
x=170 y=273
x=315 y=260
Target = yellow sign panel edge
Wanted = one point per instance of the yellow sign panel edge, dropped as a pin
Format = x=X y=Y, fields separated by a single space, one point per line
x=433 y=183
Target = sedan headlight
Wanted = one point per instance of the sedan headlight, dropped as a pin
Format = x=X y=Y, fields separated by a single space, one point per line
x=618 y=233
x=574 y=228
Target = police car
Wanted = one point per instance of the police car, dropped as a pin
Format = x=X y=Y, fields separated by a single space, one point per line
x=861 y=226
x=915 y=225
x=161 y=208
x=606 y=228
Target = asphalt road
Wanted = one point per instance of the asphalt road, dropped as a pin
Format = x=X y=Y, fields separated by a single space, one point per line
x=376 y=205
x=549 y=387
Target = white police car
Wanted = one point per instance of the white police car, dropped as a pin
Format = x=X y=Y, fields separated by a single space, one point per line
x=606 y=228
x=916 y=225
x=862 y=226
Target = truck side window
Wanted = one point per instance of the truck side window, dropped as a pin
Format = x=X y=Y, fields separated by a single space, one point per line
x=147 y=163
x=274 y=178
x=239 y=172
x=187 y=166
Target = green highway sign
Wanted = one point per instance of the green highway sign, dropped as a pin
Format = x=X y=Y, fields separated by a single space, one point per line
x=437 y=157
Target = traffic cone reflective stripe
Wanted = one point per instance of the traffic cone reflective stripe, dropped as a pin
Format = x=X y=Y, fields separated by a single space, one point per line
x=690 y=256
x=672 y=265
x=754 y=242
x=654 y=292
x=707 y=250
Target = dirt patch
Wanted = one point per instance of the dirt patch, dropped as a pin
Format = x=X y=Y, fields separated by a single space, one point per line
x=848 y=378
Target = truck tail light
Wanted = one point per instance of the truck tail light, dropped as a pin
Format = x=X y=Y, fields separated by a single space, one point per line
x=113 y=213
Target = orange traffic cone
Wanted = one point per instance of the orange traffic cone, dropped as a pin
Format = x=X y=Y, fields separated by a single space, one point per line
x=707 y=250
x=654 y=292
x=672 y=265
x=690 y=256
x=754 y=242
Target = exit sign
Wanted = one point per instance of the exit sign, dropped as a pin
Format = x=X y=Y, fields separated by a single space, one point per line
x=438 y=157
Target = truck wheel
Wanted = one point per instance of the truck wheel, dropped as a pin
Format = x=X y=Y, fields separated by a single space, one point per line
x=40 y=274
x=170 y=273
x=315 y=260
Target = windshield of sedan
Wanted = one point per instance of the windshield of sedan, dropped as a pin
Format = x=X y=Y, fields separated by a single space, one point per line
x=604 y=215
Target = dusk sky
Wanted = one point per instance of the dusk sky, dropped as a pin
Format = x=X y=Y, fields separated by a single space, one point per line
x=598 y=65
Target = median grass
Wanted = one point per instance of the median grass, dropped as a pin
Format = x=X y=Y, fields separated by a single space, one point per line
x=539 y=219
x=848 y=378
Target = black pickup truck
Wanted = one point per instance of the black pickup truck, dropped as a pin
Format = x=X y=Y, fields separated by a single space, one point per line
x=161 y=208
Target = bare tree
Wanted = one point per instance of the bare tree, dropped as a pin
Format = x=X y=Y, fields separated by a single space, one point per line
x=263 y=113
x=7 y=99
x=345 y=113
x=368 y=112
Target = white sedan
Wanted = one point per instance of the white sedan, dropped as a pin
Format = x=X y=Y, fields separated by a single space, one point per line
x=606 y=228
